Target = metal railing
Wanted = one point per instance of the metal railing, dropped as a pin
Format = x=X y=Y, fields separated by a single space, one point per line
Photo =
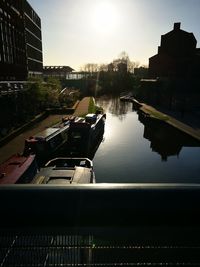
x=100 y=225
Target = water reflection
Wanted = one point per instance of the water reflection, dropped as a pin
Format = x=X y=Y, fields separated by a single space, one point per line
x=165 y=139
x=136 y=150
x=115 y=106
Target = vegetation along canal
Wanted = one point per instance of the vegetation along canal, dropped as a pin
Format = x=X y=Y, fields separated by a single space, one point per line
x=135 y=150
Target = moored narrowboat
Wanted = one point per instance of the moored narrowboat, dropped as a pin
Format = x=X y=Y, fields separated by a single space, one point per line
x=45 y=144
x=83 y=135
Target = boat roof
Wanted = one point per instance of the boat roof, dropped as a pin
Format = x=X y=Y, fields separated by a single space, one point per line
x=54 y=130
x=50 y=132
x=64 y=175
x=47 y=132
x=13 y=168
x=90 y=120
x=70 y=162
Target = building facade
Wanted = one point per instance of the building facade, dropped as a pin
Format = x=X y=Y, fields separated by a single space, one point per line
x=20 y=41
x=177 y=55
x=60 y=72
x=33 y=40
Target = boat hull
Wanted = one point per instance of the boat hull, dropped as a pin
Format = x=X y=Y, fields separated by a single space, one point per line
x=18 y=169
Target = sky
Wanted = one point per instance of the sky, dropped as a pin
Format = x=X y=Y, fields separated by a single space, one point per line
x=77 y=32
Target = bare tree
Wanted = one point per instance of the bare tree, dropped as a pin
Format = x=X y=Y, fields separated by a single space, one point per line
x=123 y=58
x=103 y=67
x=90 y=67
x=132 y=65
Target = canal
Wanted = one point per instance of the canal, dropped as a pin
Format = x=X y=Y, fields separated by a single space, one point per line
x=134 y=150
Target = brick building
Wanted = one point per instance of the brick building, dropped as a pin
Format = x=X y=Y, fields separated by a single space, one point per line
x=177 y=55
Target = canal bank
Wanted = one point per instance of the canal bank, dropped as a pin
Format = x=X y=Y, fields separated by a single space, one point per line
x=154 y=113
x=185 y=123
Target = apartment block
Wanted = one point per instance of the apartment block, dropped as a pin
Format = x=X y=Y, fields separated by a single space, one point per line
x=20 y=41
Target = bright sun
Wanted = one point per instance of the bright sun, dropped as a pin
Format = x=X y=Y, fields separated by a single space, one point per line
x=105 y=17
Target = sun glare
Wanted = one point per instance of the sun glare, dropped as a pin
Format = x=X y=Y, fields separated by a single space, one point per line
x=105 y=17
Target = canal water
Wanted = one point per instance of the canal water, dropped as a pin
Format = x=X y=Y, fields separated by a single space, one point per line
x=135 y=150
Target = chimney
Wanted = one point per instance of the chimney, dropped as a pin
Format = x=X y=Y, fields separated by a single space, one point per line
x=177 y=26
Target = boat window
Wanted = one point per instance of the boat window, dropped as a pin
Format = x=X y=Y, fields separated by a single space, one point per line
x=76 y=135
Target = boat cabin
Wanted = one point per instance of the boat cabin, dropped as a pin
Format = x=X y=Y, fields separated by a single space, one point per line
x=66 y=171
x=84 y=135
x=45 y=143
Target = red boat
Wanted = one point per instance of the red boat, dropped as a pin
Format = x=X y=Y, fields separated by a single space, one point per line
x=18 y=169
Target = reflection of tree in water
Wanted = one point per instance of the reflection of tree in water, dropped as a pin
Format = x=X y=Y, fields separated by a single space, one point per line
x=115 y=106
x=165 y=139
x=104 y=103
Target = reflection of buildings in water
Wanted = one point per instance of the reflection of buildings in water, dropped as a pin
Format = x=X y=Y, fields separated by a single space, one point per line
x=165 y=139
x=162 y=141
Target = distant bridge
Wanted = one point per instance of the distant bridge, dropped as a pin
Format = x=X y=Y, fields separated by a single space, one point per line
x=77 y=75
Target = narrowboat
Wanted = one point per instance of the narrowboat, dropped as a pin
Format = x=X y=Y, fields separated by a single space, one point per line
x=83 y=135
x=48 y=142
x=66 y=171
x=18 y=169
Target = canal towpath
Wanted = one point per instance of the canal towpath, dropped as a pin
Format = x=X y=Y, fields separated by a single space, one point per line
x=82 y=107
x=16 y=145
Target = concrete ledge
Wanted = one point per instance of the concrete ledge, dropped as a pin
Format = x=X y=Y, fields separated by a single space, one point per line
x=151 y=112
x=155 y=114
